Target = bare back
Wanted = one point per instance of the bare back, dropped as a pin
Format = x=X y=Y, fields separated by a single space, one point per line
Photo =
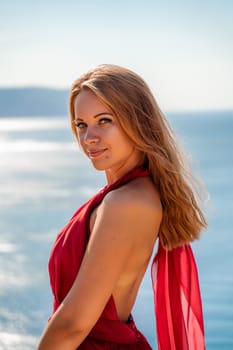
x=142 y=208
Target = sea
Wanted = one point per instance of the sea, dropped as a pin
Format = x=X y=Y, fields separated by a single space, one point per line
x=44 y=178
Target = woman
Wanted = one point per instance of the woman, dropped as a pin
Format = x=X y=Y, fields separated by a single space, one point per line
x=100 y=257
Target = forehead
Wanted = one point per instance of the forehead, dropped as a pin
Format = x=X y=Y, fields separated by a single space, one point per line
x=87 y=103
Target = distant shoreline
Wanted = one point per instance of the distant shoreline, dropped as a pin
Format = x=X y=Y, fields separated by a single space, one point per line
x=33 y=102
x=51 y=102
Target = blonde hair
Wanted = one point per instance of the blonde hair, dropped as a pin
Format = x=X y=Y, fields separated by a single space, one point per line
x=129 y=98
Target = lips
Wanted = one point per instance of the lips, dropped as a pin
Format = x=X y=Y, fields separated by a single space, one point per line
x=94 y=153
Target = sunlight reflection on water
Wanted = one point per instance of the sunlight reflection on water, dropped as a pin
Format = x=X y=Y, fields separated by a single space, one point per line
x=43 y=180
x=11 y=341
x=33 y=146
x=29 y=124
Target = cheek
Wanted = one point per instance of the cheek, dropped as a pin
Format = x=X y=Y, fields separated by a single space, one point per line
x=80 y=137
x=81 y=142
x=117 y=135
x=125 y=141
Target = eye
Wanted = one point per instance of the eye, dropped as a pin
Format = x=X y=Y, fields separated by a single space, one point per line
x=105 y=120
x=79 y=125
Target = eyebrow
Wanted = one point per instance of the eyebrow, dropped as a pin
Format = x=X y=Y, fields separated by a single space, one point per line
x=97 y=115
x=102 y=113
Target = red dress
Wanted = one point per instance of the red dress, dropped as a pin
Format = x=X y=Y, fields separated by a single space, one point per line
x=109 y=332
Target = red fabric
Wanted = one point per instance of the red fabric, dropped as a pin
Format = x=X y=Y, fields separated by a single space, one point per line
x=66 y=256
x=178 y=307
x=175 y=281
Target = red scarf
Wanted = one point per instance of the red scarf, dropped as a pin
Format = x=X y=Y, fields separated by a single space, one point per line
x=178 y=307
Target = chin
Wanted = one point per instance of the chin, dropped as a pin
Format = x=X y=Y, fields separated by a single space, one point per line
x=99 y=167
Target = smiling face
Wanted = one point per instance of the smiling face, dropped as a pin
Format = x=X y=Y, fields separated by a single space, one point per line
x=101 y=137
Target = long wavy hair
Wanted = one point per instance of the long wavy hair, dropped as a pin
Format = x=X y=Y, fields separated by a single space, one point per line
x=130 y=100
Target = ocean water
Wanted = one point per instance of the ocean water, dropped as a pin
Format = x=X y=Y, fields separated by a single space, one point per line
x=44 y=178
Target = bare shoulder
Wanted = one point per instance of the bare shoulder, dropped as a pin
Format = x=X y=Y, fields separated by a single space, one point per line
x=140 y=193
x=135 y=207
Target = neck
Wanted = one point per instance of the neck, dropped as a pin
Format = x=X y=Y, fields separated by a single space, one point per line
x=113 y=175
x=135 y=159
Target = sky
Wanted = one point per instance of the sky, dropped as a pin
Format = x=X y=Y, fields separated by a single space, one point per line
x=182 y=48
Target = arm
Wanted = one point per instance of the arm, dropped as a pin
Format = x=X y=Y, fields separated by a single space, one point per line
x=118 y=224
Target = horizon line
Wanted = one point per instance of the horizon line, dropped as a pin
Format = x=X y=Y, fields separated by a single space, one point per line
x=166 y=110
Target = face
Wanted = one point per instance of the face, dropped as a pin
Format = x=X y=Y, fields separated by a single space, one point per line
x=101 y=137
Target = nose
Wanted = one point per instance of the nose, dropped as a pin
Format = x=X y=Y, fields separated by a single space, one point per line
x=90 y=136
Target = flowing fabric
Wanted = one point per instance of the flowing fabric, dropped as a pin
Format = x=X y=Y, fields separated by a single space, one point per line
x=175 y=282
x=178 y=307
